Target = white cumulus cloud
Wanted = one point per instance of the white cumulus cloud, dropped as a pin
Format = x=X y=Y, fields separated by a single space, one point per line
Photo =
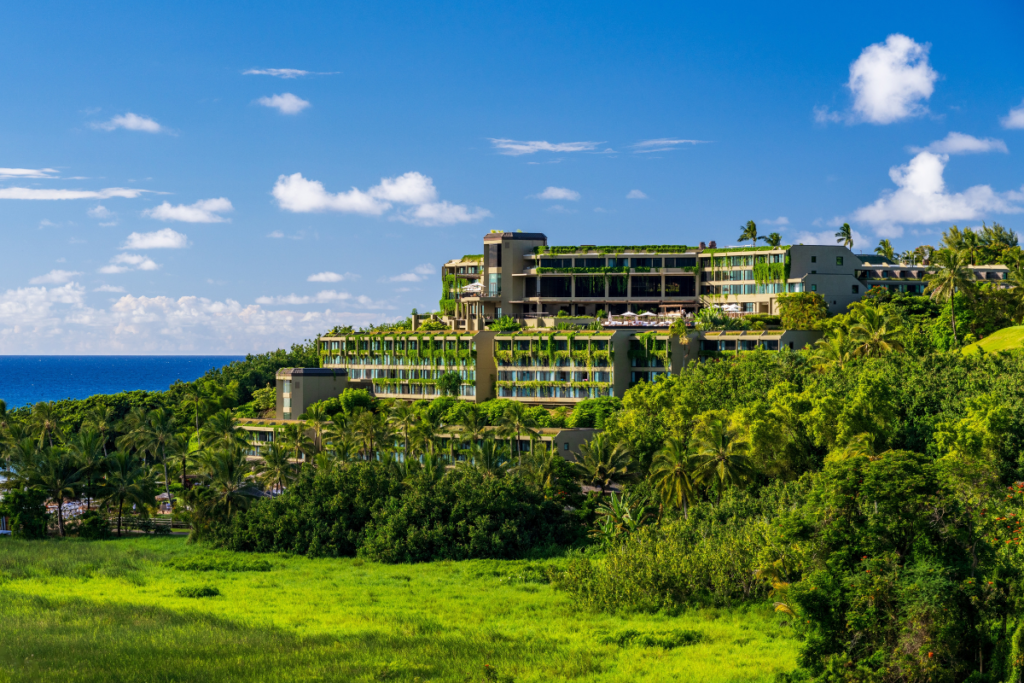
x=130 y=121
x=27 y=172
x=122 y=263
x=203 y=211
x=161 y=239
x=328 y=276
x=109 y=288
x=516 y=147
x=417 y=274
x=960 y=143
x=636 y=194
x=828 y=237
x=54 y=277
x=781 y=220
x=34 y=194
x=558 y=193
x=286 y=103
x=921 y=197
x=324 y=297
x=100 y=211
x=1014 y=119
x=890 y=81
x=299 y=195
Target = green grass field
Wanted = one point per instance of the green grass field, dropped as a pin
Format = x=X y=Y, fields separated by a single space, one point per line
x=110 y=611
x=1007 y=339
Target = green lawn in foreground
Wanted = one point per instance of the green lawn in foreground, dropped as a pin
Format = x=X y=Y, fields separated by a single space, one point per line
x=108 y=611
x=1006 y=339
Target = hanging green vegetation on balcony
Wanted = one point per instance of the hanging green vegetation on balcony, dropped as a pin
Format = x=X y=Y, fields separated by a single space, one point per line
x=603 y=270
x=449 y=284
x=639 y=249
x=647 y=346
x=771 y=272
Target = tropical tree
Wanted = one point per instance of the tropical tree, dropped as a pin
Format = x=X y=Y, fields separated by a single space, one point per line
x=885 y=250
x=773 y=239
x=516 y=420
x=672 y=474
x=317 y=420
x=923 y=253
x=542 y=466
x=178 y=454
x=133 y=431
x=202 y=399
x=845 y=236
x=221 y=431
x=490 y=457
x=749 y=233
x=404 y=417
x=226 y=477
x=603 y=462
x=952 y=276
x=45 y=421
x=721 y=459
x=294 y=438
x=424 y=436
x=160 y=439
x=829 y=352
x=100 y=419
x=127 y=481
x=873 y=334
x=58 y=474
x=908 y=257
x=276 y=471
x=87 y=446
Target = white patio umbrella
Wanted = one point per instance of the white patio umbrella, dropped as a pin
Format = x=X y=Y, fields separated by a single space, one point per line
x=629 y=313
x=648 y=314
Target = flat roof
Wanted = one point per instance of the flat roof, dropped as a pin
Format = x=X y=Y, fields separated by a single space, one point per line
x=533 y=236
x=311 y=371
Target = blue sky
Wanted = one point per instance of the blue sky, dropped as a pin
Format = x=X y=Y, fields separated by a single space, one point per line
x=167 y=185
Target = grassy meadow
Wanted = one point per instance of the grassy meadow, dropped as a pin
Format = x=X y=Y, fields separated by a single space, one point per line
x=1006 y=339
x=119 y=611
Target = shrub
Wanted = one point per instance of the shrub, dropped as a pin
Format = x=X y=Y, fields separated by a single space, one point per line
x=465 y=515
x=26 y=510
x=591 y=413
x=321 y=515
x=197 y=592
x=93 y=526
x=220 y=564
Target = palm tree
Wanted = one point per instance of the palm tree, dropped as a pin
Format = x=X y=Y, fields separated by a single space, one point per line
x=773 y=239
x=831 y=352
x=159 y=439
x=672 y=472
x=603 y=462
x=845 y=236
x=924 y=253
x=403 y=417
x=58 y=474
x=221 y=431
x=873 y=334
x=515 y=420
x=199 y=396
x=749 y=233
x=721 y=456
x=908 y=257
x=472 y=424
x=489 y=457
x=127 y=481
x=44 y=418
x=885 y=250
x=367 y=428
x=542 y=466
x=226 y=477
x=952 y=276
x=316 y=420
x=100 y=419
x=133 y=431
x=178 y=452
x=424 y=436
x=276 y=471
x=293 y=437
x=87 y=446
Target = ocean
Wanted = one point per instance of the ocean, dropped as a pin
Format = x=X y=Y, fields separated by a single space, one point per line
x=25 y=380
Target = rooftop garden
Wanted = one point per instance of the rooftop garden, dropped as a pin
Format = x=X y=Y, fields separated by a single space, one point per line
x=639 y=249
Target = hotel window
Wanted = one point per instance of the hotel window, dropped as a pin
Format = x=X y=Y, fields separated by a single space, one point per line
x=814 y=288
x=856 y=289
x=814 y=259
x=839 y=260
x=287 y=387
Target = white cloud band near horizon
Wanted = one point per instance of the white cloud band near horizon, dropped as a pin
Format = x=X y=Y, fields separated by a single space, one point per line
x=46 y=320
